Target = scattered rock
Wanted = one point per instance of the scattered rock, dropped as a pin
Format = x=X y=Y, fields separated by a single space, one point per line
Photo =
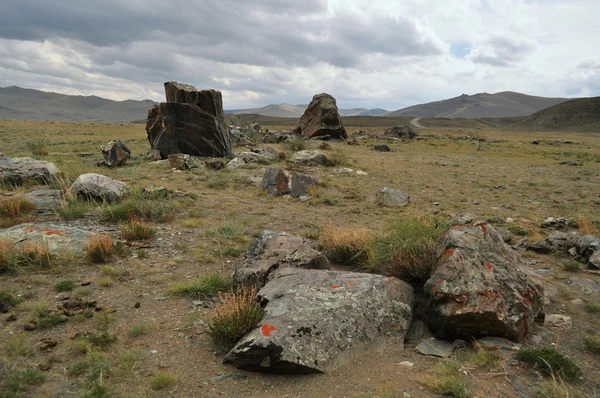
x=317 y=320
x=481 y=287
x=569 y=163
x=278 y=136
x=310 y=158
x=268 y=153
x=59 y=238
x=16 y=171
x=325 y=146
x=400 y=132
x=322 y=118
x=98 y=187
x=190 y=122
x=115 y=154
x=558 y=322
x=436 y=348
x=382 y=148
x=362 y=173
x=275 y=182
x=47 y=343
x=214 y=164
x=44 y=200
x=235 y=163
x=391 y=198
x=181 y=161
x=586 y=286
x=29 y=326
x=137 y=305
x=273 y=250
x=300 y=184
x=10 y=318
x=407 y=364
x=556 y=242
x=559 y=223
x=252 y=157
x=461 y=219
x=229 y=378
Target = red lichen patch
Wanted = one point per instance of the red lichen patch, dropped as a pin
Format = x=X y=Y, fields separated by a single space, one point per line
x=30 y=228
x=458 y=227
x=447 y=253
x=333 y=286
x=483 y=228
x=350 y=284
x=489 y=265
x=54 y=232
x=282 y=184
x=267 y=329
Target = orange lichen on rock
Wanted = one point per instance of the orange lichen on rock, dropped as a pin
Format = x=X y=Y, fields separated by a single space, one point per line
x=54 y=232
x=447 y=253
x=267 y=329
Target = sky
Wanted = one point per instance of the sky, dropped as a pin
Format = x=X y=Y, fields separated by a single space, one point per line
x=375 y=53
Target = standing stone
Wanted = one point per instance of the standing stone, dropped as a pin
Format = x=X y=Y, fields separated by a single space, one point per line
x=388 y=197
x=190 y=122
x=322 y=118
x=115 y=154
x=315 y=321
x=98 y=187
x=275 y=182
x=481 y=287
x=301 y=183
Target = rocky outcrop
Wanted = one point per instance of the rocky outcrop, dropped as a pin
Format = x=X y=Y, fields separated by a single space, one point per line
x=16 y=171
x=274 y=250
x=278 y=136
x=98 y=187
x=115 y=154
x=322 y=118
x=400 y=132
x=190 y=122
x=315 y=321
x=481 y=287
x=388 y=197
x=58 y=238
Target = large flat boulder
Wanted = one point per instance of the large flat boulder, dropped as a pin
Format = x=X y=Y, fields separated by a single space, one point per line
x=190 y=122
x=16 y=171
x=315 y=321
x=322 y=118
x=97 y=187
x=481 y=287
x=274 y=250
x=59 y=238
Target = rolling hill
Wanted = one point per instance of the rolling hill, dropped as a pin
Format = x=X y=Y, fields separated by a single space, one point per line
x=18 y=103
x=581 y=114
x=503 y=104
x=292 y=111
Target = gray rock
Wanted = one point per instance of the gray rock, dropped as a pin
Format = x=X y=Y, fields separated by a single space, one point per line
x=322 y=118
x=275 y=182
x=97 y=187
x=558 y=223
x=315 y=321
x=481 y=287
x=180 y=161
x=558 y=322
x=557 y=242
x=586 y=286
x=214 y=164
x=251 y=157
x=310 y=158
x=569 y=163
x=46 y=200
x=59 y=238
x=594 y=261
x=587 y=245
x=16 y=171
x=229 y=378
x=461 y=219
x=273 y=250
x=400 y=132
x=269 y=153
x=436 y=348
x=382 y=148
x=416 y=332
x=278 y=136
x=235 y=163
x=115 y=154
x=300 y=184
x=498 y=345
x=388 y=197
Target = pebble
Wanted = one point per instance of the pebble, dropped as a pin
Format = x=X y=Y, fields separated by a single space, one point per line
x=160 y=298
x=436 y=203
x=408 y=364
x=362 y=173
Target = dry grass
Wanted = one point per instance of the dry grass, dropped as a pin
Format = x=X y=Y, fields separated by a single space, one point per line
x=348 y=244
x=100 y=249
x=586 y=227
x=15 y=257
x=15 y=211
x=137 y=230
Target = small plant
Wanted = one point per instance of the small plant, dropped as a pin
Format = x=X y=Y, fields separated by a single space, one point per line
x=101 y=340
x=78 y=368
x=137 y=230
x=296 y=144
x=338 y=157
x=100 y=248
x=592 y=343
x=45 y=319
x=592 y=307
x=571 y=266
x=140 y=207
x=17 y=346
x=227 y=231
x=14 y=257
x=516 y=230
x=17 y=382
x=38 y=147
x=81 y=292
x=73 y=210
x=348 y=245
x=203 y=287
x=106 y=281
x=236 y=314
x=586 y=226
x=137 y=330
x=162 y=380
x=64 y=285
x=551 y=362
x=15 y=211
x=448 y=380
x=129 y=359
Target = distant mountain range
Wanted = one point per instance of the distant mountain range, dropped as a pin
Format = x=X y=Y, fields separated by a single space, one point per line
x=18 y=103
x=288 y=110
x=504 y=104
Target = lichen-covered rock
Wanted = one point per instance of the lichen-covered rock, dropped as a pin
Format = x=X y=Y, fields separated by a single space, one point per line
x=16 y=171
x=275 y=182
x=310 y=158
x=46 y=200
x=481 y=287
x=301 y=183
x=98 y=187
x=273 y=250
x=58 y=238
x=269 y=153
x=180 y=161
x=388 y=197
x=252 y=157
x=557 y=242
x=115 y=154
x=315 y=321
x=322 y=118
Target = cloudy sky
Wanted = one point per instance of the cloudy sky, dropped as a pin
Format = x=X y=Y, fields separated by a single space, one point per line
x=372 y=53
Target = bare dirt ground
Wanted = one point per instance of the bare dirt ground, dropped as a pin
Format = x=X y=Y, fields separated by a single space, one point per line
x=498 y=177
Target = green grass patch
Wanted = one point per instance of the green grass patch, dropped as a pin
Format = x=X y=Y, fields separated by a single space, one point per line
x=73 y=210
x=162 y=380
x=296 y=144
x=447 y=380
x=592 y=343
x=16 y=383
x=551 y=362
x=206 y=286
x=64 y=285
x=137 y=330
x=592 y=307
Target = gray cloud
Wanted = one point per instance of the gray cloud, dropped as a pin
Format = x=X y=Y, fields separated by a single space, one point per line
x=501 y=51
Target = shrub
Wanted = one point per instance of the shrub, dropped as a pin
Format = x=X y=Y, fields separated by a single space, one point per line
x=137 y=330
x=236 y=314
x=551 y=362
x=448 y=381
x=408 y=250
x=45 y=319
x=203 y=287
x=64 y=285
x=106 y=281
x=137 y=230
x=296 y=144
x=100 y=249
x=162 y=380
x=592 y=307
x=571 y=266
x=338 y=157
x=592 y=343
x=348 y=245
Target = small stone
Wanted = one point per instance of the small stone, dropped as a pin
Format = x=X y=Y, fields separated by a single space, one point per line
x=361 y=173
x=408 y=364
x=29 y=326
x=160 y=299
x=388 y=197
x=558 y=322
x=435 y=347
x=198 y=303
x=436 y=203
x=86 y=283
x=476 y=202
x=137 y=305
x=382 y=148
x=214 y=164
x=47 y=343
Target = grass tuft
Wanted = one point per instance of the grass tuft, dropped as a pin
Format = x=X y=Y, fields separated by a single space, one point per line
x=14 y=257
x=592 y=307
x=338 y=157
x=203 y=287
x=348 y=245
x=551 y=362
x=100 y=249
x=137 y=230
x=236 y=314
x=64 y=285
x=592 y=343
x=15 y=211
x=162 y=380
x=38 y=147
x=296 y=144
x=447 y=380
